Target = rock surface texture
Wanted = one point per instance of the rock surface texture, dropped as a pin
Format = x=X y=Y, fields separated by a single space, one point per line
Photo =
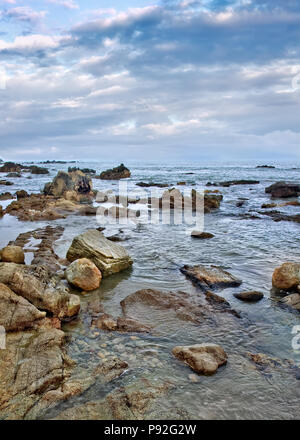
x=202 y=358
x=212 y=277
x=84 y=274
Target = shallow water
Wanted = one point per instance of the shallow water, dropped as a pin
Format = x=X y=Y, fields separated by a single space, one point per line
x=249 y=249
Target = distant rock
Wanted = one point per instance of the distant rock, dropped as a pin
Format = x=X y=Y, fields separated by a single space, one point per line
x=6 y=182
x=201 y=235
x=149 y=184
x=202 y=358
x=249 y=296
x=212 y=277
x=6 y=196
x=83 y=170
x=120 y=172
x=11 y=167
x=84 y=274
x=11 y=175
x=1 y=211
x=13 y=254
x=265 y=166
x=283 y=190
x=38 y=170
x=234 y=182
x=109 y=257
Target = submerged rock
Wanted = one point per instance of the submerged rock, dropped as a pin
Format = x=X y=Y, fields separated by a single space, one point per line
x=249 y=296
x=212 y=277
x=12 y=254
x=228 y=183
x=108 y=256
x=202 y=358
x=201 y=235
x=120 y=172
x=84 y=274
x=287 y=277
x=283 y=190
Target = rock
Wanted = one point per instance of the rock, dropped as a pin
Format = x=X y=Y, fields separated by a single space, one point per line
x=202 y=358
x=153 y=184
x=287 y=277
x=83 y=274
x=38 y=170
x=249 y=296
x=12 y=175
x=211 y=201
x=265 y=166
x=268 y=205
x=201 y=235
x=41 y=288
x=13 y=254
x=277 y=216
x=16 y=313
x=6 y=196
x=1 y=211
x=10 y=167
x=212 y=277
x=22 y=194
x=292 y=300
x=72 y=186
x=283 y=190
x=228 y=183
x=83 y=170
x=120 y=172
x=120 y=324
x=6 y=183
x=109 y=257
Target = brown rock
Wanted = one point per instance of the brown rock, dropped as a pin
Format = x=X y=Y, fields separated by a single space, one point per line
x=201 y=235
x=22 y=194
x=283 y=190
x=292 y=300
x=75 y=183
x=202 y=358
x=212 y=277
x=83 y=274
x=120 y=172
x=287 y=277
x=13 y=254
x=249 y=296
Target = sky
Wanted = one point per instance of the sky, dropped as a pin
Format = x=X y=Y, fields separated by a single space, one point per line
x=161 y=80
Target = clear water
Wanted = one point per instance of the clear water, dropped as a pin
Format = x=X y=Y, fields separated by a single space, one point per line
x=249 y=249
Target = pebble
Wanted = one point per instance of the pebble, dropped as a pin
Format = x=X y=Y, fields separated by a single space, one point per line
x=101 y=355
x=134 y=338
x=193 y=378
x=103 y=345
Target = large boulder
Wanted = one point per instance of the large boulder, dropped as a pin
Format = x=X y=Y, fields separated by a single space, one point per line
x=83 y=274
x=287 y=277
x=13 y=254
x=202 y=358
x=74 y=185
x=283 y=190
x=120 y=172
x=108 y=256
x=16 y=313
x=11 y=167
x=40 y=288
x=212 y=277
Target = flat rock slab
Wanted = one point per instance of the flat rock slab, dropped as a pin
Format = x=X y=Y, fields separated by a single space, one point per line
x=202 y=358
x=212 y=277
x=249 y=296
x=108 y=256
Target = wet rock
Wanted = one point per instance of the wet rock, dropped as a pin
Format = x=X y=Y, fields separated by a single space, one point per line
x=283 y=190
x=12 y=175
x=88 y=210
x=265 y=166
x=287 y=277
x=38 y=170
x=212 y=277
x=292 y=300
x=6 y=196
x=268 y=364
x=72 y=186
x=201 y=235
x=16 y=313
x=38 y=285
x=84 y=274
x=202 y=358
x=22 y=194
x=1 y=211
x=13 y=254
x=83 y=170
x=6 y=183
x=11 y=167
x=268 y=205
x=212 y=201
x=228 y=183
x=109 y=257
x=120 y=172
x=249 y=296
x=277 y=216
x=152 y=184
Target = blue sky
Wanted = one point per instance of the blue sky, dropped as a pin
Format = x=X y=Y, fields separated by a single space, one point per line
x=161 y=80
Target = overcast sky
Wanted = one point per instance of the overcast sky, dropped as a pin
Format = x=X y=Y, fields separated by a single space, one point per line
x=164 y=80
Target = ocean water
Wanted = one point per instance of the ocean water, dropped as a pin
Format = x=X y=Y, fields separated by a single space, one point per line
x=248 y=248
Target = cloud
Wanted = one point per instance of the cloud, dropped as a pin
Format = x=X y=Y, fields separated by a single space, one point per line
x=24 y=14
x=68 y=4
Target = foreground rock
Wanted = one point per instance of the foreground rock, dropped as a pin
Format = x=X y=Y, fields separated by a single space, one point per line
x=71 y=186
x=202 y=358
x=12 y=254
x=249 y=296
x=83 y=274
x=287 y=277
x=108 y=256
x=41 y=288
x=16 y=313
x=120 y=172
x=201 y=235
x=212 y=277
x=283 y=190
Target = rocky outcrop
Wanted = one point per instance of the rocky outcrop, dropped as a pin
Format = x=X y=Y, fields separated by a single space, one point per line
x=108 y=256
x=12 y=254
x=16 y=313
x=38 y=170
x=6 y=183
x=228 y=183
x=251 y=296
x=6 y=196
x=22 y=194
x=84 y=274
x=152 y=184
x=42 y=289
x=283 y=190
x=11 y=167
x=1 y=211
x=287 y=277
x=212 y=277
x=201 y=235
x=265 y=166
x=120 y=172
x=71 y=186
x=202 y=358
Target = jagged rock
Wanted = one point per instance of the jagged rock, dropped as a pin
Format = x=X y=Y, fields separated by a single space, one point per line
x=249 y=296
x=72 y=186
x=283 y=190
x=202 y=358
x=212 y=277
x=84 y=274
x=278 y=216
x=41 y=288
x=6 y=196
x=16 y=313
x=201 y=235
x=22 y=194
x=10 y=167
x=109 y=257
x=13 y=254
x=287 y=277
x=120 y=172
